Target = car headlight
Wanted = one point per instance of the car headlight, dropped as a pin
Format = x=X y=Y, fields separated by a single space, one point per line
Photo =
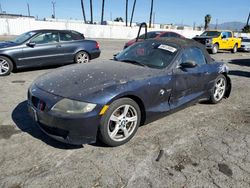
x=208 y=41
x=73 y=107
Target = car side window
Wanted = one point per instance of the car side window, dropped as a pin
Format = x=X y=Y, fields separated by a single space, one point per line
x=64 y=36
x=165 y=35
x=229 y=34
x=193 y=54
x=44 y=38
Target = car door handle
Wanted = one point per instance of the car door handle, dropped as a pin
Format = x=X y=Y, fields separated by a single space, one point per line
x=58 y=45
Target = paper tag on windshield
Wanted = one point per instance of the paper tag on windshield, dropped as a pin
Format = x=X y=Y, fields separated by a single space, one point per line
x=168 y=48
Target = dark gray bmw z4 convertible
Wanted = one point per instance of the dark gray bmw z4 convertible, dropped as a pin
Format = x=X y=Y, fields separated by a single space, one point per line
x=111 y=99
x=45 y=48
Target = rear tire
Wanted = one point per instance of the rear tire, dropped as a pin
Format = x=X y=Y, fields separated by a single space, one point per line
x=82 y=57
x=234 y=50
x=215 y=48
x=6 y=66
x=219 y=89
x=120 y=123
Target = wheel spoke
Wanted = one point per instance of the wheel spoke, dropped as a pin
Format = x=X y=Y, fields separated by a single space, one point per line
x=125 y=131
x=115 y=131
x=126 y=108
x=5 y=68
x=114 y=118
x=132 y=119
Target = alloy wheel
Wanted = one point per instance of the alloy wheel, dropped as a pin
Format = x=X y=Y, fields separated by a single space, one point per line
x=4 y=66
x=220 y=88
x=82 y=57
x=122 y=122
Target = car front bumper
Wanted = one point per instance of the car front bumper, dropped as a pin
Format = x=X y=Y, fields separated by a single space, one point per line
x=71 y=129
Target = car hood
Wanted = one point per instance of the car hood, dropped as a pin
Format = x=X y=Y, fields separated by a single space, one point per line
x=7 y=44
x=204 y=37
x=78 y=81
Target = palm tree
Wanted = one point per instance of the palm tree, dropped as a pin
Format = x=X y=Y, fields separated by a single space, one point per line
x=207 y=21
x=91 y=12
x=126 y=13
x=83 y=11
x=132 y=14
x=103 y=2
x=151 y=12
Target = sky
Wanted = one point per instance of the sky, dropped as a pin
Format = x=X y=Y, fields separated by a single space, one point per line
x=185 y=12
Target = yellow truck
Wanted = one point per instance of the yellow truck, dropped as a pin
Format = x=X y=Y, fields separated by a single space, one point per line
x=219 y=40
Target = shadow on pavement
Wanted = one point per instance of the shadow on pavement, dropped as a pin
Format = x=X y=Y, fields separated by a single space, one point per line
x=240 y=73
x=241 y=62
x=23 y=121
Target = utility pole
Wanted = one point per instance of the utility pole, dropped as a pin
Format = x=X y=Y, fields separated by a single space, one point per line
x=216 y=25
x=126 y=13
x=103 y=2
x=53 y=7
x=153 y=19
x=28 y=6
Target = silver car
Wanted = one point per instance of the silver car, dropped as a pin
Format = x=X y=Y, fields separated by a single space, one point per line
x=245 y=45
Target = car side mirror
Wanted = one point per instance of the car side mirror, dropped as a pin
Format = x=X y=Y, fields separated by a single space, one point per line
x=188 y=64
x=31 y=44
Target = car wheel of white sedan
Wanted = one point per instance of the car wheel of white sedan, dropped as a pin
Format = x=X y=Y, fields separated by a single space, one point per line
x=219 y=89
x=6 y=66
x=120 y=123
x=82 y=57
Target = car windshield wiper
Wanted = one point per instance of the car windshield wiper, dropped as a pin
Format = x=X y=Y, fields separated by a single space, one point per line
x=134 y=62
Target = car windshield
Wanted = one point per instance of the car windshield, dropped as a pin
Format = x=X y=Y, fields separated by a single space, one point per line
x=22 y=38
x=149 y=53
x=245 y=40
x=211 y=33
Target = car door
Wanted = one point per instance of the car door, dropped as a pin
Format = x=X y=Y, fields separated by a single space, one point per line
x=224 y=40
x=188 y=83
x=42 y=50
x=70 y=42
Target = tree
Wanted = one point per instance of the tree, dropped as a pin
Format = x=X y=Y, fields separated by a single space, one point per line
x=103 y=2
x=83 y=12
x=246 y=29
x=132 y=14
x=91 y=12
x=126 y=13
x=118 y=19
x=207 y=21
x=151 y=12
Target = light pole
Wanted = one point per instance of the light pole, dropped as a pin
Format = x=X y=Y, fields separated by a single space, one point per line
x=54 y=9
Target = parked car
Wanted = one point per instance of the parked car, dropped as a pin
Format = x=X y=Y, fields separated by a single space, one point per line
x=154 y=34
x=44 y=48
x=245 y=45
x=219 y=40
x=110 y=99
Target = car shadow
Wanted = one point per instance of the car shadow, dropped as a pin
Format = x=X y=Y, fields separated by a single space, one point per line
x=240 y=73
x=241 y=62
x=24 y=122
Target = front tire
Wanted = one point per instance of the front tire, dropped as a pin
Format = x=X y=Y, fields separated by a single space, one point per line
x=215 y=48
x=6 y=66
x=234 y=50
x=219 y=89
x=82 y=57
x=120 y=123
